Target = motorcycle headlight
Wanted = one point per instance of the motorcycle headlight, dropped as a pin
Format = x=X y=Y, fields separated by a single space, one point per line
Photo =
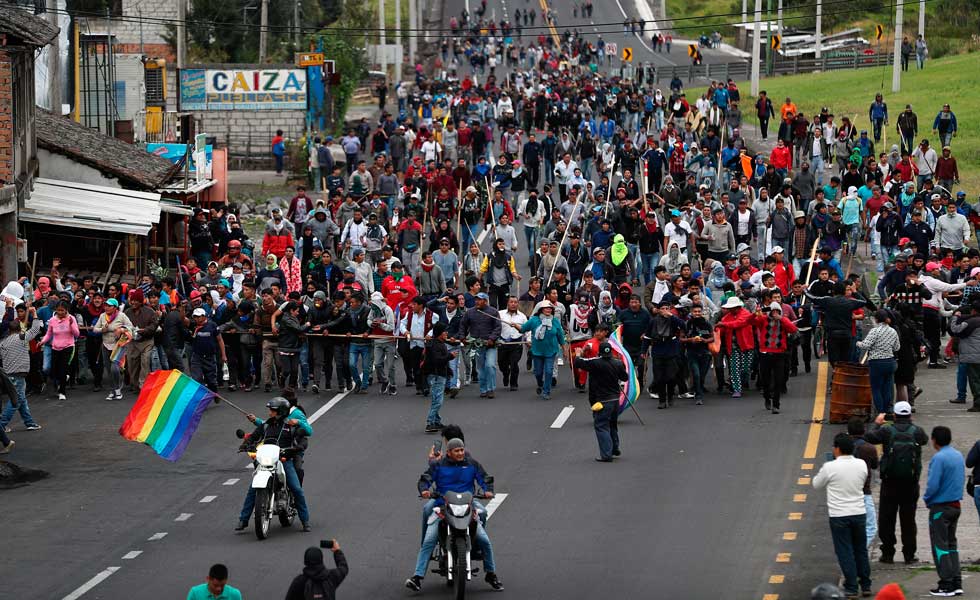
x=459 y=510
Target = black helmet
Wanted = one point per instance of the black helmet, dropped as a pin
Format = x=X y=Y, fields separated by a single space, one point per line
x=280 y=405
x=605 y=349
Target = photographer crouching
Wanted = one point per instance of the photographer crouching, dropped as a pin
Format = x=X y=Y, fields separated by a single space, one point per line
x=316 y=580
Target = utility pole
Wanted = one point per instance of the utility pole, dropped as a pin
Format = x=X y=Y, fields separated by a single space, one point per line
x=382 y=50
x=769 y=52
x=897 y=60
x=296 y=26
x=756 y=40
x=413 y=25
x=181 y=33
x=263 y=30
x=745 y=9
x=819 y=35
x=922 y=18
x=55 y=99
x=398 y=40
x=779 y=19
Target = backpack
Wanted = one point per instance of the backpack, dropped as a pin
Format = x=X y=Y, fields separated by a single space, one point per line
x=314 y=590
x=904 y=459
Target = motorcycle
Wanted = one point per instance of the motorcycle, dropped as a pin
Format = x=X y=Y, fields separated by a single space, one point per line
x=272 y=495
x=455 y=552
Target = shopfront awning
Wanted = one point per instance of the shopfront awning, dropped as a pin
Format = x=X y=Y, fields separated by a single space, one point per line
x=69 y=204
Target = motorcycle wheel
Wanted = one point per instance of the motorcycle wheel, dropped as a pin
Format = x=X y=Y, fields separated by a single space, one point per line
x=288 y=514
x=263 y=513
x=459 y=573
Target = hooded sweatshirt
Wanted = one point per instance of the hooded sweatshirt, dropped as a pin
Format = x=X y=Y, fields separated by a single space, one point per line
x=316 y=578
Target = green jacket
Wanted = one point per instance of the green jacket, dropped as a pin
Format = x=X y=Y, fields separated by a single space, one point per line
x=553 y=340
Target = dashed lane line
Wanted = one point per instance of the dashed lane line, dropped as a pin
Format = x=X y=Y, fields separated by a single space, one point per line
x=495 y=503
x=232 y=481
x=207 y=499
x=184 y=516
x=132 y=554
x=157 y=536
x=562 y=417
x=91 y=583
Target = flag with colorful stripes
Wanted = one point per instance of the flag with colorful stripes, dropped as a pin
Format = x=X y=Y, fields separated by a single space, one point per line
x=118 y=354
x=631 y=391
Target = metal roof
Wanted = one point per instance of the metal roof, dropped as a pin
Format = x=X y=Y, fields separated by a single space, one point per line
x=70 y=204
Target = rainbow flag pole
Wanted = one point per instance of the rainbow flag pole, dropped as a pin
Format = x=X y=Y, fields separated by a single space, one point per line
x=631 y=391
x=168 y=412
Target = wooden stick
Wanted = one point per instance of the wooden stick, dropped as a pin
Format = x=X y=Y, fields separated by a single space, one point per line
x=809 y=268
x=33 y=272
x=564 y=238
x=112 y=262
x=459 y=236
x=231 y=404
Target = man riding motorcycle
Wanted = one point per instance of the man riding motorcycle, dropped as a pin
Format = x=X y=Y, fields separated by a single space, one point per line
x=449 y=432
x=288 y=432
x=453 y=473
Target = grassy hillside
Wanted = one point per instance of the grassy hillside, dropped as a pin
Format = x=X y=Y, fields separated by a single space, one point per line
x=952 y=79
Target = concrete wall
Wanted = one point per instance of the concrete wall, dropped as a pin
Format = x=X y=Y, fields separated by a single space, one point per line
x=127 y=32
x=56 y=166
x=250 y=132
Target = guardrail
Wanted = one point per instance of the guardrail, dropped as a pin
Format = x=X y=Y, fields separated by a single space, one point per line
x=741 y=71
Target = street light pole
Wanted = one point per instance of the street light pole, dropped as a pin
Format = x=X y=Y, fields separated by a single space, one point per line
x=756 y=40
x=819 y=34
x=897 y=60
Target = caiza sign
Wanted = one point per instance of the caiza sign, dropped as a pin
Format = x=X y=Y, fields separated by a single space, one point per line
x=242 y=89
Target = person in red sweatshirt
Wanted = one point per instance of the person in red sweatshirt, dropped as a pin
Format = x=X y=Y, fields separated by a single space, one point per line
x=781 y=159
x=772 y=329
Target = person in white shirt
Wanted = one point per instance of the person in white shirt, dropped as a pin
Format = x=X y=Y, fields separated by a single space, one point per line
x=506 y=232
x=925 y=159
x=431 y=150
x=844 y=479
x=509 y=353
x=677 y=232
x=416 y=326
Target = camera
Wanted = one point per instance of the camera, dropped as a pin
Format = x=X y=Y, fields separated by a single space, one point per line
x=327 y=544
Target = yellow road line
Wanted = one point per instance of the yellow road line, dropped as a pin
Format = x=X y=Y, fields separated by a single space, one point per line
x=789 y=536
x=776 y=578
x=803 y=481
x=819 y=404
x=799 y=497
x=551 y=26
x=807 y=466
x=771 y=597
x=795 y=516
x=783 y=557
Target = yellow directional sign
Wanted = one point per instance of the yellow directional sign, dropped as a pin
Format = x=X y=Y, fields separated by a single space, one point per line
x=879 y=31
x=309 y=59
x=776 y=42
x=692 y=50
x=627 y=54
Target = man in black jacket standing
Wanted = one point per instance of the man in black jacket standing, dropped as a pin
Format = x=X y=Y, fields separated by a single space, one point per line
x=605 y=373
x=316 y=580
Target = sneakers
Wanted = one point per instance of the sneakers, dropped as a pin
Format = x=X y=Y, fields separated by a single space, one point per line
x=686 y=395
x=768 y=404
x=432 y=428
x=384 y=388
x=490 y=394
x=33 y=427
x=936 y=366
x=315 y=388
x=241 y=526
x=6 y=449
x=494 y=582
x=940 y=591
x=62 y=397
x=7 y=429
x=414 y=583
x=957 y=401
x=392 y=390
x=537 y=390
x=453 y=392
x=114 y=395
x=737 y=395
x=307 y=527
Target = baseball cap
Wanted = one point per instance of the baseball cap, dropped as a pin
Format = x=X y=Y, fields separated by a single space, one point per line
x=777 y=249
x=112 y=302
x=903 y=409
x=932 y=266
x=199 y=312
x=483 y=296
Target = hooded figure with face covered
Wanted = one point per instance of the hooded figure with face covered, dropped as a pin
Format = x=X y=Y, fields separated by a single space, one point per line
x=620 y=262
x=316 y=580
x=674 y=258
x=279 y=234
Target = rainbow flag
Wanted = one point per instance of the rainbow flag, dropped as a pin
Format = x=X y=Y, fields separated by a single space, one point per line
x=167 y=413
x=631 y=392
x=118 y=355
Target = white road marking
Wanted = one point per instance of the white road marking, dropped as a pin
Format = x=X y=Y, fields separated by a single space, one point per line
x=184 y=516
x=494 y=504
x=207 y=499
x=91 y=583
x=323 y=409
x=132 y=554
x=562 y=417
x=231 y=481
x=157 y=536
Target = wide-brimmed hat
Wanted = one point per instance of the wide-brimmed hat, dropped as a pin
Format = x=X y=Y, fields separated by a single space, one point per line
x=541 y=305
x=733 y=302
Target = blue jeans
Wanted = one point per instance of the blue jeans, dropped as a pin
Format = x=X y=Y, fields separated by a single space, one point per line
x=699 y=364
x=760 y=229
x=606 y=427
x=364 y=351
x=586 y=166
x=871 y=520
x=46 y=359
x=304 y=365
x=454 y=365
x=976 y=498
x=432 y=537
x=292 y=482
x=817 y=168
x=962 y=377
x=468 y=235
x=486 y=366
x=882 y=375
x=544 y=367
x=851 y=547
x=549 y=171
x=648 y=262
x=530 y=234
x=20 y=384
x=437 y=389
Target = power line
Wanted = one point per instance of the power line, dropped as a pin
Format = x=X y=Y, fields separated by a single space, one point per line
x=531 y=31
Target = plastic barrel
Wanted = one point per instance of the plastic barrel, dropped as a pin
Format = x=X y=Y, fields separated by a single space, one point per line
x=850 y=393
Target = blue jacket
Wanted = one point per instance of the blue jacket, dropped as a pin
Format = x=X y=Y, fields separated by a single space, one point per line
x=607 y=128
x=721 y=97
x=450 y=476
x=878 y=111
x=551 y=344
x=947 y=477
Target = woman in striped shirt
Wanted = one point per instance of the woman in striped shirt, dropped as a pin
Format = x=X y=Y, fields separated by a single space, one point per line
x=881 y=343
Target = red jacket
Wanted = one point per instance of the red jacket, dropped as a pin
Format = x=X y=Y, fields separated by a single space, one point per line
x=784 y=277
x=739 y=323
x=780 y=158
x=407 y=286
x=276 y=244
x=780 y=345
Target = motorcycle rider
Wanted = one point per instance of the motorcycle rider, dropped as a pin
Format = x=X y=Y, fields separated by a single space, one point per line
x=453 y=473
x=287 y=432
x=449 y=432
x=296 y=418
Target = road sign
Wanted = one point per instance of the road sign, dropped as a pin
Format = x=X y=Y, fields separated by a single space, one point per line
x=627 y=54
x=612 y=49
x=879 y=31
x=309 y=59
x=692 y=50
x=776 y=42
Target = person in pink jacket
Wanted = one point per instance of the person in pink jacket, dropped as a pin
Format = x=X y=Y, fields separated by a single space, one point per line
x=292 y=267
x=62 y=332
